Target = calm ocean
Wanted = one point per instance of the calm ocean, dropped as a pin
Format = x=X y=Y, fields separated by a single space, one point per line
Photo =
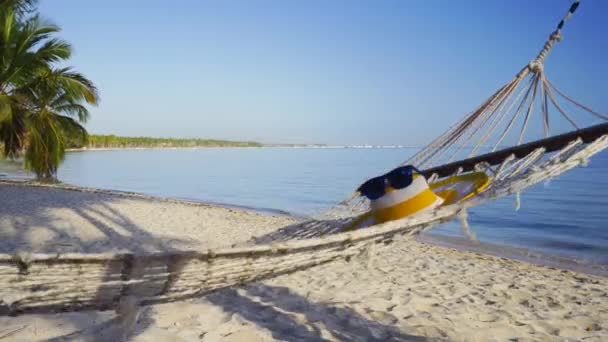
x=566 y=217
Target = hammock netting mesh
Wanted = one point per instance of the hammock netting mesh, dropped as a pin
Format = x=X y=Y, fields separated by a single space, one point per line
x=70 y=282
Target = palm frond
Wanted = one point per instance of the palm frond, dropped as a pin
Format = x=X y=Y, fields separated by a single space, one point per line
x=76 y=85
x=74 y=109
x=46 y=147
x=8 y=22
x=74 y=133
x=12 y=133
x=6 y=105
x=34 y=31
x=19 y=7
x=53 y=50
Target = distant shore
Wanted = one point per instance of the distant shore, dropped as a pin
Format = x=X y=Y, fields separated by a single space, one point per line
x=84 y=149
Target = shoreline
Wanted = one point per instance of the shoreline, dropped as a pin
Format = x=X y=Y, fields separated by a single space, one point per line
x=516 y=254
x=179 y=200
x=461 y=244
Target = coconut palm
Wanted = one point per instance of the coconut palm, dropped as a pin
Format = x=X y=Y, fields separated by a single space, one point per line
x=40 y=104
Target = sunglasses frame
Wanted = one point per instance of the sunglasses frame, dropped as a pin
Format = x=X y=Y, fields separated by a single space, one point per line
x=381 y=182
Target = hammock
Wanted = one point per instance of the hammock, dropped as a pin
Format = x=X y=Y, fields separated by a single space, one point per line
x=72 y=282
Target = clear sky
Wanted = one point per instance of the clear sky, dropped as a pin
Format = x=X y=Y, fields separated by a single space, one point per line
x=336 y=72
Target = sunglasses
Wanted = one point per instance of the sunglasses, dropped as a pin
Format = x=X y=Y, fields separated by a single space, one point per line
x=398 y=178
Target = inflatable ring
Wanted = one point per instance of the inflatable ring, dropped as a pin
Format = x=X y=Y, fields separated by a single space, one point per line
x=420 y=196
x=459 y=188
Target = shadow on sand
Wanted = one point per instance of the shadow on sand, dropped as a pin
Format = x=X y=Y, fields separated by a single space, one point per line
x=291 y=317
x=26 y=211
x=285 y=314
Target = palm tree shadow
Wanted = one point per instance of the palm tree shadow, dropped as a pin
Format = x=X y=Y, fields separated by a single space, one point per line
x=115 y=230
x=103 y=212
x=108 y=330
x=277 y=309
x=32 y=211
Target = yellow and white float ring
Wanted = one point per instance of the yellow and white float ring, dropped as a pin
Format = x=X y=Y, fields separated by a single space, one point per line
x=420 y=196
x=399 y=203
x=459 y=188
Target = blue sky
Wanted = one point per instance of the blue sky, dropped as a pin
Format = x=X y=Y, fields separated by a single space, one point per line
x=336 y=72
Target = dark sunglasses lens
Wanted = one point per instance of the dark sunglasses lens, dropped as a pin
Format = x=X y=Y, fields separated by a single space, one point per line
x=373 y=188
x=401 y=177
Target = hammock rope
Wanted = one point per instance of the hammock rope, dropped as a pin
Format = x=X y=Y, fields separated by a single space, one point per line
x=72 y=282
x=529 y=86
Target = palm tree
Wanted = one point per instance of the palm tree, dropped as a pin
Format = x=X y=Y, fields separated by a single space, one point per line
x=40 y=104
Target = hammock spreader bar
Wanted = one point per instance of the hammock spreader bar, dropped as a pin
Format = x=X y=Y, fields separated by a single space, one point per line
x=550 y=144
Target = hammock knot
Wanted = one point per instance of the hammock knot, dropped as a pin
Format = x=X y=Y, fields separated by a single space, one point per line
x=22 y=261
x=556 y=36
x=536 y=66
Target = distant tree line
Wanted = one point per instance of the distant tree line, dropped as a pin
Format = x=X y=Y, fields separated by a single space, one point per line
x=113 y=141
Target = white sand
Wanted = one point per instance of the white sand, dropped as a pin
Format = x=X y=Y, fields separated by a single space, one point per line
x=405 y=291
x=42 y=219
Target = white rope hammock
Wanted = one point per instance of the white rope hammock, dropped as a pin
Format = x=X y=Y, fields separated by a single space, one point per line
x=70 y=282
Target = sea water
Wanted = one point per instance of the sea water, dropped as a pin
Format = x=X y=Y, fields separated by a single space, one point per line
x=566 y=217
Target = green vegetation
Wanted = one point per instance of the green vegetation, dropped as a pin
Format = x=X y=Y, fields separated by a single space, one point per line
x=41 y=104
x=113 y=141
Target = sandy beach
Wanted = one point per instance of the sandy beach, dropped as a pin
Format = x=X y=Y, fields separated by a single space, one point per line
x=405 y=291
